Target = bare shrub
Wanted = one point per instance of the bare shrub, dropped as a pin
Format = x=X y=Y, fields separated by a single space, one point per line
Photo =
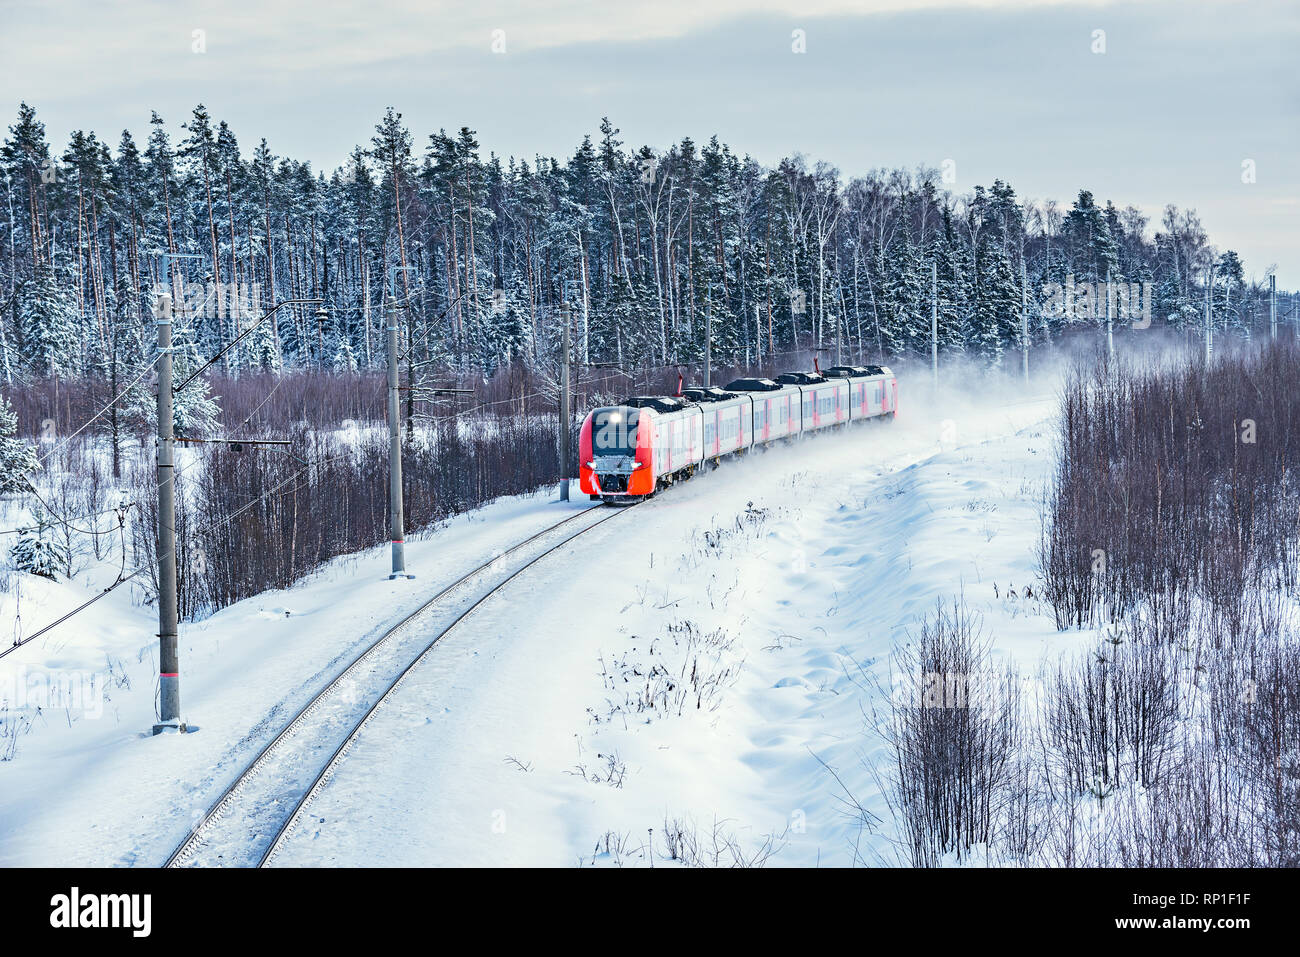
x=14 y=724
x=1111 y=717
x=717 y=847
x=687 y=670
x=1199 y=816
x=953 y=729
x=1267 y=749
x=251 y=519
x=1175 y=482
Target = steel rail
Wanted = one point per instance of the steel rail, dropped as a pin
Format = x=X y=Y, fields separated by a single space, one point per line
x=194 y=839
x=326 y=772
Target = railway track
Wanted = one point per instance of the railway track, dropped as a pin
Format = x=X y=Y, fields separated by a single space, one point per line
x=257 y=812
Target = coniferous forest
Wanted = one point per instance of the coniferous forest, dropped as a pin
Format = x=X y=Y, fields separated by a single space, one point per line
x=645 y=246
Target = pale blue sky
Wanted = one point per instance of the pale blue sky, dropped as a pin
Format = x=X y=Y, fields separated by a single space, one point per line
x=1186 y=91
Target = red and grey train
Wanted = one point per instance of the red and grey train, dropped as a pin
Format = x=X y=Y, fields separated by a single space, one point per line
x=633 y=449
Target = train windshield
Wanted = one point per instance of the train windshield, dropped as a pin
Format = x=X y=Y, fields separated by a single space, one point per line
x=613 y=432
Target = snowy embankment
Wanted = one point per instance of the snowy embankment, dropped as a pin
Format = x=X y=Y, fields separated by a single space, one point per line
x=697 y=676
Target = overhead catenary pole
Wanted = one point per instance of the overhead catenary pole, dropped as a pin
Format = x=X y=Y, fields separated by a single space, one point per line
x=169 y=670
x=1209 y=326
x=1272 y=306
x=1110 y=320
x=564 y=406
x=396 y=523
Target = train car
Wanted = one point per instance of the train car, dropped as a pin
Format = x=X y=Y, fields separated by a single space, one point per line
x=824 y=401
x=777 y=410
x=727 y=420
x=631 y=450
x=873 y=390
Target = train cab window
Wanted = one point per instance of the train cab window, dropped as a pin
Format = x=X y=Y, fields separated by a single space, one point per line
x=613 y=431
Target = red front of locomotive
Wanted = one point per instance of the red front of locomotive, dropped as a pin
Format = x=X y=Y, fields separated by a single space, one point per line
x=586 y=476
x=615 y=452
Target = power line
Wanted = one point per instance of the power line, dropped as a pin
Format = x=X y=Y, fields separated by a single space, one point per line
x=68 y=521
x=240 y=338
x=116 y=399
x=145 y=567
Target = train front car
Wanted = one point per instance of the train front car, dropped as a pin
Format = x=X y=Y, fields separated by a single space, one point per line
x=615 y=453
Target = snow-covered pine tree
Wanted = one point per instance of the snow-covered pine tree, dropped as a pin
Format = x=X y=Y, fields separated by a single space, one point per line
x=17 y=457
x=1228 y=294
x=195 y=410
x=265 y=355
x=907 y=329
x=47 y=325
x=1094 y=253
x=1171 y=305
x=508 y=319
x=39 y=554
x=345 y=359
x=949 y=278
x=121 y=362
x=995 y=320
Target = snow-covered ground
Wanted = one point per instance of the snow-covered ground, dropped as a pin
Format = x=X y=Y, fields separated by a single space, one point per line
x=706 y=667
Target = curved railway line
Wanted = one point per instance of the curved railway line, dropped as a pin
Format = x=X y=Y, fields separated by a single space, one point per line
x=257 y=812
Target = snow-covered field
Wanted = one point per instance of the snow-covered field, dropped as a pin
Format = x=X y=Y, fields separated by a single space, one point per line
x=697 y=676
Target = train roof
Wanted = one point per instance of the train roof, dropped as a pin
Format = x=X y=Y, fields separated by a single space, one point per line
x=697 y=393
x=752 y=385
x=801 y=378
x=854 y=372
x=660 y=403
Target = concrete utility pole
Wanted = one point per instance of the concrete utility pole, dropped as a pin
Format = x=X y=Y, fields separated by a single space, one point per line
x=564 y=409
x=1272 y=306
x=169 y=669
x=1024 y=318
x=934 y=323
x=396 y=524
x=1110 y=321
x=1209 y=326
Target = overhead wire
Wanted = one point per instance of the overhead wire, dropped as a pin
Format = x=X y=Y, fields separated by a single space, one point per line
x=148 y=565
